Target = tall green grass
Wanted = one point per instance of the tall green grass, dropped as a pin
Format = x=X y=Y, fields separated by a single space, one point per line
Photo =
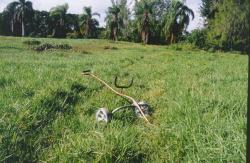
x=47 y=107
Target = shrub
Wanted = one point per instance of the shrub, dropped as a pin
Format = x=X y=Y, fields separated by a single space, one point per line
x=175 y=47
x=102 y=34
x=197 y=37
x=73 y=35
x=182 y=47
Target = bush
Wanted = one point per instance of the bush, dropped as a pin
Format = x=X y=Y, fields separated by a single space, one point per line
x=182 y=47
x=73 y=35
x=198 y=38
x=175 y=47
x=102 y=34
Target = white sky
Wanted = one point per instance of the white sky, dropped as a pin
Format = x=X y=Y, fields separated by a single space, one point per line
x=100 y=6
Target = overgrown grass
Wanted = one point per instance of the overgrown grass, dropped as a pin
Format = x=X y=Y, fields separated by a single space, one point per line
x=47 y=106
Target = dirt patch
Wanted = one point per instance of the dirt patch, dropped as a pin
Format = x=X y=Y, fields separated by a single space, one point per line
x=48 y=46
x=110 y=47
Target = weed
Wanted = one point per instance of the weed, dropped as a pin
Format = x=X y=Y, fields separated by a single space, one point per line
x=5 y=82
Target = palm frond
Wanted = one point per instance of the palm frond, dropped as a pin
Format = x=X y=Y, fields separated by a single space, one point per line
x=96 y=14
x=11 y=7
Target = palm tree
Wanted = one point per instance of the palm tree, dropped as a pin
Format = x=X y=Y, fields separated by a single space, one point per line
x=124 y=18
x=143 y=12
x=114 y=24
x=58 y=15
x=113 y=20
x=88 y=24
x=22 y=9
x=177 y=19
x=10 y=11
x=118 y=19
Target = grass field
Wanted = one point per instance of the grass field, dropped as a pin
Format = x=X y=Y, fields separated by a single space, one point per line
x=47 y=108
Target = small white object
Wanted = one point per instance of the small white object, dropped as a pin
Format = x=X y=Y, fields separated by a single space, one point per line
x=103 y=114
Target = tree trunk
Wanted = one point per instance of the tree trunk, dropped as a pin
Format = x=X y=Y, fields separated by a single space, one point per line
x=146 y=38
x=23 y=29
x=61 y=22
x=248 y=112
x=143 y=37
x=87 y=29
x=12 y=26
x=115 y=34
x=172 y=37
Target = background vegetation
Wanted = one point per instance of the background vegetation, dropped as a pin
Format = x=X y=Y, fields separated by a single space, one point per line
x=150 y=21
x=227 y=24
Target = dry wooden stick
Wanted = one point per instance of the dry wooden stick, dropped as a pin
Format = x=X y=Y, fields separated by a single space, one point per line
x=118 y=93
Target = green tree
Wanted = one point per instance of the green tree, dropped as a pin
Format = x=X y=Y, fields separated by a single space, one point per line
x=58 y=17
x=88 y=24
x=10 y=12
x=23 y=10
x=125 y=19
x=1 y=24
x=72 y=23
x=208 y=9
x=114 y=22
x=176 y=20
x=40 y=23
x=229 y=30
x=144 y=16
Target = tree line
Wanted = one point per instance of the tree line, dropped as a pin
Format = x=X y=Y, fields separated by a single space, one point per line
x=226 y=23
x=147 y=21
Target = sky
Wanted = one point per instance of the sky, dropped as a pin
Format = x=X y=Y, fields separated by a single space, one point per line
x=100 y=6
